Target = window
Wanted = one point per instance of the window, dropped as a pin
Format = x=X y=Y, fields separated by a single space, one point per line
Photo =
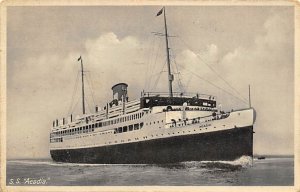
x=131 y=127
x=125 y=129
x=141 y=125
x=120 y=130
x=136 y=126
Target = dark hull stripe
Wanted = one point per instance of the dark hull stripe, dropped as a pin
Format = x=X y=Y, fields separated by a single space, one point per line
x=219 y=145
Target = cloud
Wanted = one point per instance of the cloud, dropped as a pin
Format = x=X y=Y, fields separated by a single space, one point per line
x=44 y=86
x=266 y=64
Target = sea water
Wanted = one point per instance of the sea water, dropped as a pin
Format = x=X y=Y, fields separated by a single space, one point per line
x=241 y=172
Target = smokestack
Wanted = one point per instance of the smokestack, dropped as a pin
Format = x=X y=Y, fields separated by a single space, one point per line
x=53 y=123
x=63 y=121
x=71 y=118
x=96 y=108
x=56 y=122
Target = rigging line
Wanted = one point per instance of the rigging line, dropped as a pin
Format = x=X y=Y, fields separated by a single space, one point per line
x=75 y=104
x=161 y=71
x=154 y=75
x=189 y=81
x=198 y=56
x=155 y=62
x=89 y=107
x=156 y=82
x=218 y=87
x=148 y=59
x=149 y=67
x=179 y=82
x=154 y=46
x=221 y=78
x=74 y=92
x=90 y=86
x=92 y=79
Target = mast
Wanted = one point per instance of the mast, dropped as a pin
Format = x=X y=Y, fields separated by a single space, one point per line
x=82 y=82
x=170 y=75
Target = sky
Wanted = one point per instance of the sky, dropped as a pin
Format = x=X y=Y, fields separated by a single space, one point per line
x=217 y=50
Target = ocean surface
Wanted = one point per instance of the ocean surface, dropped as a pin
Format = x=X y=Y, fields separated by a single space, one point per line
x=241 y=172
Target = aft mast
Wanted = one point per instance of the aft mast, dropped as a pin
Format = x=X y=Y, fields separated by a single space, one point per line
x=82 y=80
x=170 y=75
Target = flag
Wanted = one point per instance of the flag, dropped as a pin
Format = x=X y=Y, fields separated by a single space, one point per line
x=79 y=58
x=160 y=12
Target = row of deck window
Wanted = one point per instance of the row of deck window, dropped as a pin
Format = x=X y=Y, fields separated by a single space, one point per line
x=55 y=140
x=78 y=130
x=123 y=129
x=90 y=128
x=123 y=119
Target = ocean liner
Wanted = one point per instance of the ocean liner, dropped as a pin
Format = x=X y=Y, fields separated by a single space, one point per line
x=157 y=128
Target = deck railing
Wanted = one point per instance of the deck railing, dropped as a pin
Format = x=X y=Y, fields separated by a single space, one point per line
x=178 y=94
x=197 y=120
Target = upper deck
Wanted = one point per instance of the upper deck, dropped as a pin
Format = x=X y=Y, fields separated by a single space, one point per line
x=152 y=99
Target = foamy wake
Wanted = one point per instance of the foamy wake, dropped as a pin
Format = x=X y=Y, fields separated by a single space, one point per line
x=243 y=161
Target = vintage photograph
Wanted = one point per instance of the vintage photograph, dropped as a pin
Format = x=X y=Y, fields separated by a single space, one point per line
x=150 y=95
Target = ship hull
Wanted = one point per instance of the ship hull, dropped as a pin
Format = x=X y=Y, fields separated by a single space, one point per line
x=219 y=145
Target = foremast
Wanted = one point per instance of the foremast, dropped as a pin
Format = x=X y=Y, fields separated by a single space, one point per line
x=82 y=83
